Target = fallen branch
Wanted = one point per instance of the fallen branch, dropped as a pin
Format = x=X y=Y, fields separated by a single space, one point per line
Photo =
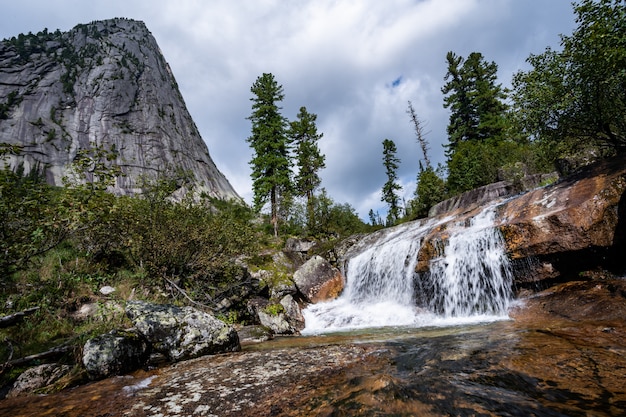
x=187 y=296
x=16 y=318
x=52 y=353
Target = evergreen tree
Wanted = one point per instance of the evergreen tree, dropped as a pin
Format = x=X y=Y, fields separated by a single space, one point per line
x=430 y=190
x=271 y=164
x=477 y=120
x=474 y=99
x=309 y=160
x=391 y=163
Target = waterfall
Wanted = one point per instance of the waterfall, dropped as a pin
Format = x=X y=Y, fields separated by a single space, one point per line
x=470 y=280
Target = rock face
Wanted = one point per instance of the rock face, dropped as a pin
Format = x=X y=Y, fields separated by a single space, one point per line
x=554 y=232
x=107 y=85
x=181 y=332
x=317 y=280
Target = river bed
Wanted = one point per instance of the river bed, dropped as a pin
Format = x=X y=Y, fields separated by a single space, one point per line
x=520 y=367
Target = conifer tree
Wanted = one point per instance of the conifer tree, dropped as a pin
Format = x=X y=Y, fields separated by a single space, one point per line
x=271 y=164
x=391 y=163
x=474 y=99
x=303 y=134
x=477 y=121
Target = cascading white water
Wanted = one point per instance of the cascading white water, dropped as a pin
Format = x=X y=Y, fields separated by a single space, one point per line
x=473 y=276
x=471 y=279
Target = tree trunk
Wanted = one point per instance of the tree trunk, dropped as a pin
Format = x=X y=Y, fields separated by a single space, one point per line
x=274 y=210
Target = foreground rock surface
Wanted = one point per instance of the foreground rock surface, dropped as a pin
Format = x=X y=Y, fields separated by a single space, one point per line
x=564 y=354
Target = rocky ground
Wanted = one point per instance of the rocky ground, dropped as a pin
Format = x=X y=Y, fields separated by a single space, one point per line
x=563 y=354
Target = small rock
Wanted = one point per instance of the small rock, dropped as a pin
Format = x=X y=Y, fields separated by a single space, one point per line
x=106 y=290
x=38 y=377
x=255 y=334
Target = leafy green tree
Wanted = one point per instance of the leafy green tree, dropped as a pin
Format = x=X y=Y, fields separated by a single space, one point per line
x=309 y=160
x=578 y=95
x=271 y=164
x=390 y=188
x=30 y=223
x=430 y=190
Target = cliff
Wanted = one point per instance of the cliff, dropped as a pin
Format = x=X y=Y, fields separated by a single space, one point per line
x=103 y=85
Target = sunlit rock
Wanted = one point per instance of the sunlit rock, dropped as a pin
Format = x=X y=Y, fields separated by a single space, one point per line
x=317 y=280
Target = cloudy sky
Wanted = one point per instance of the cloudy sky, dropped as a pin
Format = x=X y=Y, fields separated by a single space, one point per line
x=354 y=63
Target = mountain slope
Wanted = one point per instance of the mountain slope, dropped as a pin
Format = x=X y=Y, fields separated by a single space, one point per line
x=104 y=84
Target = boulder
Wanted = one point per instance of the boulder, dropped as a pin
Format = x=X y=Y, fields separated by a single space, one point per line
x=115 y=353
x=284 y=317
x=181 y=332
x=298 y=245
x=586 y=210
x=38 y=377
x=317 y=280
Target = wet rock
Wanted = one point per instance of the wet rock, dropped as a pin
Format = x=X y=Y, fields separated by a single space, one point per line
x=556 y=231
x=317 y=280
x=596 y=300
x=181 y=332
x=115 y=353
x=38 y=377
x=472 y=199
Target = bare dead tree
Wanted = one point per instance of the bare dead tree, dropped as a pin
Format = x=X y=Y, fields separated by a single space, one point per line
x=419 y=133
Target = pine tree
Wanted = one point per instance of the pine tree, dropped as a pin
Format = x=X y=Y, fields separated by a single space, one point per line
x=309 y=160
x=271 y=164
x=391 y=163
x=477 y=121
x=474 y=99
